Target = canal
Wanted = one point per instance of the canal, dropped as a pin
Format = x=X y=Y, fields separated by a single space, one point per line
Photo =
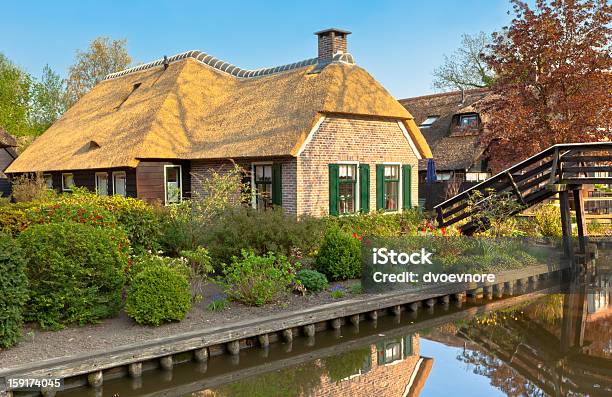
x=551 y=340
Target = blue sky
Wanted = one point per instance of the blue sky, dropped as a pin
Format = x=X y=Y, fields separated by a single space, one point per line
x=398 y=42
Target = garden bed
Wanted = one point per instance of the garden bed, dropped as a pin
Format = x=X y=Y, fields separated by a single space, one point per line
x=38 y=345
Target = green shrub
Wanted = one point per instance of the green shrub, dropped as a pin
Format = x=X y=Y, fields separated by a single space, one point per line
x=84 y=213
x=158 y=294
x=312 y=280
x=13 y=290
x=357 y=289
x=139 y=219
x=244 y=228
x=548 y=220
x=256 y=280
x=75 y=272
x=379 y=224
x=339 y=257
x=199 y=261
x=141 y=262
x=14 y=218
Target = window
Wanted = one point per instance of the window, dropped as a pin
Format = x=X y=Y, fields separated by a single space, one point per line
x=102 y=183
x=393 y=352
x=347 y=188
x=429 y=121
x=173 y=186
x=468 y=121
x=119 y=183
x=263 y=186
x=67 y=182
x=476 y=176
x=391 y=188
x=48 y=178
x=443 y=176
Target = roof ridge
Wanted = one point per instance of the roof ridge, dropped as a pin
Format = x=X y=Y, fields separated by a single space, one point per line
x=227 y=67
x=448 y=93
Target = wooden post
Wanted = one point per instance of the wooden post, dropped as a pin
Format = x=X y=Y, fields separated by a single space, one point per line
x=414 y=306
x=336 y=323
x=566 y=224
x=264 y=340
x=430 y=302
x=288 y=335
x=166 y=362
x=95 y=379
x=135 y=370
x=397 y=310
x=201 y=355
x=374 y=315
x=354 y=320
x=233 y=347
x=580 y=219
x=309 y=330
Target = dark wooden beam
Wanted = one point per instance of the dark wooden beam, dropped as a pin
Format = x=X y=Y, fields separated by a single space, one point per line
x=566 y=223
x=580 y=218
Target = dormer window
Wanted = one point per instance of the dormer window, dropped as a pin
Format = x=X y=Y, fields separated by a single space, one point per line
x=465 y=124
x=429 y=121
x=468 y=121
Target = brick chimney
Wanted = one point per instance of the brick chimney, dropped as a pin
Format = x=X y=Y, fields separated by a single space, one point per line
x=331 y=42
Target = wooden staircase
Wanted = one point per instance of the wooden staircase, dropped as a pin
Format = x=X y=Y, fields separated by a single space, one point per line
x=558 y=169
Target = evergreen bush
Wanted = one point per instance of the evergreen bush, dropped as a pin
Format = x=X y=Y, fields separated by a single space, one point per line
x=158 y=294
x=75 y=271
x=13 y=291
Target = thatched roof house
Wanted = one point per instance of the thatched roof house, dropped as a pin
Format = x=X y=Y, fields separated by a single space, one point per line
x=191 y=111
x=7 y=155
x=452 y=123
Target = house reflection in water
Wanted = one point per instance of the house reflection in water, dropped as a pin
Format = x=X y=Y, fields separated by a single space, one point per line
x=392 y=367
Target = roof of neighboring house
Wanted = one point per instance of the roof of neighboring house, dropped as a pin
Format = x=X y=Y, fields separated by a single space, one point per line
x=450 y=152
x=6 y=139
x=198 y=107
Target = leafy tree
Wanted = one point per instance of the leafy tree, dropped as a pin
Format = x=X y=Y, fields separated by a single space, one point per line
x=103 y=56
x=15 y=85
x=48 y=103
x=466 y=67
x=553 y=79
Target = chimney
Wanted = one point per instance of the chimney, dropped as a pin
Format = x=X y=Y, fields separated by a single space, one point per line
x=331 y=42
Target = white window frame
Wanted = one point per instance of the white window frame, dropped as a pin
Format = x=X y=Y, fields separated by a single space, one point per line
x=50 y=176
x=64 y=188
x=180 y=167
x=125 y=178
x=400 y=197
x=253 y=187
x=97 y=174
x=357 y=186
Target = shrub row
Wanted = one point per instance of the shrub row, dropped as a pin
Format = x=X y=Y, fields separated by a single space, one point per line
x=13 y=290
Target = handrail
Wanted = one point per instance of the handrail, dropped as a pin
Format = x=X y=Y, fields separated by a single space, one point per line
x=529 y=189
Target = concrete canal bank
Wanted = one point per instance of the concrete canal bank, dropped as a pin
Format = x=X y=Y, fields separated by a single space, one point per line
x=131 y=360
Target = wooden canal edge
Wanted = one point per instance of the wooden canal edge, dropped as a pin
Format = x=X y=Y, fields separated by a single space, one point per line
x=132 y=359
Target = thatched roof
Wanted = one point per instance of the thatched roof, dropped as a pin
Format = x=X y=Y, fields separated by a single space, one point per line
x=195 y=110
x=6 y=139
x=450 y=152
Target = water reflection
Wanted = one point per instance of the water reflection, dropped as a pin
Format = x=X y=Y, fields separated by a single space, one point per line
x=541 y=344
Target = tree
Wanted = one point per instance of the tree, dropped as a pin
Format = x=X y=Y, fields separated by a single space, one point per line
x=103 y=56
x=466 y=67
x=15 y=87
x=48 y=102
x=553 y=67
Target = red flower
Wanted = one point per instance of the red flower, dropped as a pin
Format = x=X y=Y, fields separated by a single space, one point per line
x=443 y=230
x=354 y=235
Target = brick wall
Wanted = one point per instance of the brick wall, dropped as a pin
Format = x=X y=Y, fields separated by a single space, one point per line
x=204 y=168
x=388 y=380
x=330 y=43
x=365 y=140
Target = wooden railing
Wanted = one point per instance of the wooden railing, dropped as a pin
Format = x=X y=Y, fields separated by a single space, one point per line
x=559 y=168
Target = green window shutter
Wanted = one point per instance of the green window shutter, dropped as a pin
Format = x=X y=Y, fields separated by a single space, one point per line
x=408 y=346
x=277 y=185
x=333 y=189
x=380 y=186
x=406 y=186
x=364 y=187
